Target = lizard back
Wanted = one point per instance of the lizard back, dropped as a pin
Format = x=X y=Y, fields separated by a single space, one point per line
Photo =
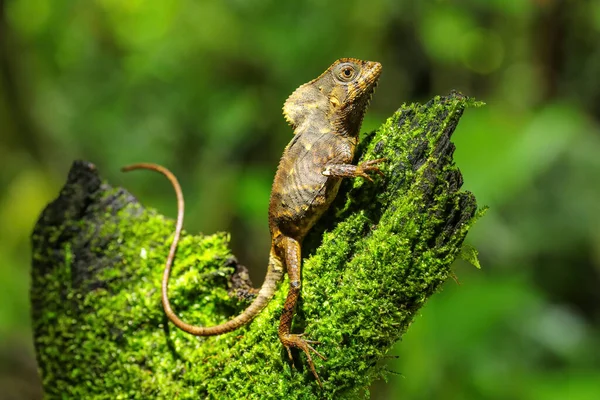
x=301 y=193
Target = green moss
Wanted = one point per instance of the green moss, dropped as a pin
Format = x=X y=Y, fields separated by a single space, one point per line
x=370 y=265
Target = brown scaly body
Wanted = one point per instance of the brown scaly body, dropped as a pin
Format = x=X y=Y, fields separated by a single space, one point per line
x=326 y=115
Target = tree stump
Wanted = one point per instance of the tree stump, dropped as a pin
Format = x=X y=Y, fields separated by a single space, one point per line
x=368 y=266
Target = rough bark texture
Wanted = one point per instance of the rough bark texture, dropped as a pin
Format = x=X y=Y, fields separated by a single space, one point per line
x=369 y=265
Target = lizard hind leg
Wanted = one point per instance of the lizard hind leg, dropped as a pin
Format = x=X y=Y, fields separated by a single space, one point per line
x=291 y=249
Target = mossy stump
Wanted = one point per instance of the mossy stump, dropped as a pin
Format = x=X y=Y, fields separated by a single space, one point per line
x=369 y=265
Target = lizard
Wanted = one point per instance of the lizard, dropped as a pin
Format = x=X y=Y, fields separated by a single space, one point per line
x=326 y=115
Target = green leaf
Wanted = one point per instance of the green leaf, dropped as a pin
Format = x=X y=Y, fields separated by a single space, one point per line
x=469 y=254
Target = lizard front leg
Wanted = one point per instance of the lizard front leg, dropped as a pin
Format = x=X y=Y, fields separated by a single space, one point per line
x=291 y=250
x=351 y=170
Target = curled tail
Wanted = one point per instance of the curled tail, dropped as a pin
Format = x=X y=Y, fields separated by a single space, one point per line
x=274 y=273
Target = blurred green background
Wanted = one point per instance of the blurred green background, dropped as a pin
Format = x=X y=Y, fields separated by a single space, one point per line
x=198 y=86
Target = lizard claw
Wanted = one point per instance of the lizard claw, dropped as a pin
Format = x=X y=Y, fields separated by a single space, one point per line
x=370 y=166
x=309 y=341
x=295 y=340
x=364 y=175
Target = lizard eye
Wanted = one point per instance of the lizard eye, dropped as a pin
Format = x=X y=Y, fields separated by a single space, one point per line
x=346 y=73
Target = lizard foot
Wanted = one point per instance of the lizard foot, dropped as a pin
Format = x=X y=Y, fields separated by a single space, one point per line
x=370 y=166
x=296 y=340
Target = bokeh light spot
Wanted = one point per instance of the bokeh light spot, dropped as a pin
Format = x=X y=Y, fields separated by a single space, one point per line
x=482 y=51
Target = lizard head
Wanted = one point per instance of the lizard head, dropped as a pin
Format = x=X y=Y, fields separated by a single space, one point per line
x=340 y=96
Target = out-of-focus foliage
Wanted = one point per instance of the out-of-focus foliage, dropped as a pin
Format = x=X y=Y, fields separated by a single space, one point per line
x=198 y=86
